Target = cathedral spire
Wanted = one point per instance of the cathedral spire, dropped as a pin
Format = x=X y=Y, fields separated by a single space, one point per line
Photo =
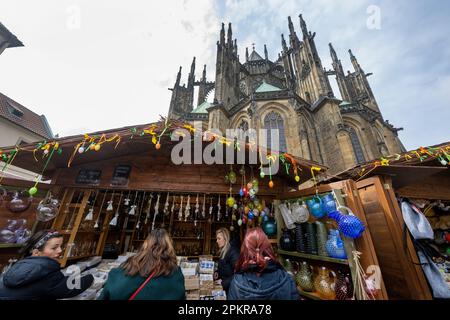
x=266 y=55
x=230 y=36
x=303 y=25
x=193 y=67
x=246 y=54
x=177 y=82
x=235 y=47
x=283 y=43
x=291 y=26
x=204 y=73
x=222 y=34
x=333 y=53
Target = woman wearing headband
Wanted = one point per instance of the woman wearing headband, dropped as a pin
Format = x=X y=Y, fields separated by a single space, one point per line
x=38 y=275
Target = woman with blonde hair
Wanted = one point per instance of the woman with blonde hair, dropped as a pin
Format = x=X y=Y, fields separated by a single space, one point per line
x=229 y=254
x=151 y=274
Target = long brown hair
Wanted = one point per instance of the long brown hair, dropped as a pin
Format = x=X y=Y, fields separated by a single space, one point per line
x=156 y=254
x=256 y=250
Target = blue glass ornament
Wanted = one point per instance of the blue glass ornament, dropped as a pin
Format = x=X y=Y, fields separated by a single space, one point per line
x=335 y=245
x=270 y=227
x=251 y=215
x=349 y=225
x=241 y=192
x=328 y=203
x=315 y=206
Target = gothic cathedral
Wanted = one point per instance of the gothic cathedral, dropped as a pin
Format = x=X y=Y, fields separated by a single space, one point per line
x=292 y=94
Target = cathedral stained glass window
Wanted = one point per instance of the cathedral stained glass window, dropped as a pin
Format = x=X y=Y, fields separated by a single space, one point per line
x=273 y=121
x=357 y=149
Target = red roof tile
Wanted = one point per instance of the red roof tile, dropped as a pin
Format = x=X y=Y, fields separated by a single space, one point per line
x=28 y=119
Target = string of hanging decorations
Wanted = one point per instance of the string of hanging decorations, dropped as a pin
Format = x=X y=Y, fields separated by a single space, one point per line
x=44 y=151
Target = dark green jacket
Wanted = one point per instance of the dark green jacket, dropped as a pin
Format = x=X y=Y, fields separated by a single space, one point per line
x=120 y=286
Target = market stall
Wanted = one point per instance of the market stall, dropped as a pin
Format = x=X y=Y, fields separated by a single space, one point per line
x=114 y=187
x=421 y=177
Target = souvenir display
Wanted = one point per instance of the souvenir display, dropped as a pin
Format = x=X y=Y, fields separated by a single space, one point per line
x=15 y=231
x=47 y=208
x=19 y=203
x=304 y=277
x=156 y=211
x=324 y=285
x=335 y=245
x=315 y=205
x=286 y=242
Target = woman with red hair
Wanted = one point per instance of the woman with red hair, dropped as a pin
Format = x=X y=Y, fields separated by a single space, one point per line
x=259 y=276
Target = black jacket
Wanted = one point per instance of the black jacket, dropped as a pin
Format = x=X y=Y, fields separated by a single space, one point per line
x=274 y=283
x=225 y=267
x=39 y=278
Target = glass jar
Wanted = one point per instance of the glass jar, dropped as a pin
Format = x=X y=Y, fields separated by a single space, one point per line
x=335 y=245
x=324 y=285
x=304 y=277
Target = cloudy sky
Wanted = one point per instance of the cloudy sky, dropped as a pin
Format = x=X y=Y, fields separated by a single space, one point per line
x=93 y=65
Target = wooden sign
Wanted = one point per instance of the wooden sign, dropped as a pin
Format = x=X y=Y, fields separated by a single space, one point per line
x=121 y=175
x=89 y=176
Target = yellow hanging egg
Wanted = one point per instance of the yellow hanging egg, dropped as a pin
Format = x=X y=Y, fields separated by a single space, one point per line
x=297 y=178
x=260 y=207
x=230 y=202
x=97 y=147
x=246 y=210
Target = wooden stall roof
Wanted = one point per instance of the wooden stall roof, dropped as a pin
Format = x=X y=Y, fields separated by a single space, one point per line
x=131 y=143
x=404 y=168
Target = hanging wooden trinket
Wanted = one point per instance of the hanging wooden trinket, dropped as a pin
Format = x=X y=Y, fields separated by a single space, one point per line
x=187 y=211
x=115 y=219
x=219 y=214
x=96 y=225
x=210 y=211
x=132 y=211
x=90 y=215
x=138 y=224
x=110 y=203
x=147 y=211
x=204 y=207
x=156 y=212
x=197 y=206
x=180 y=212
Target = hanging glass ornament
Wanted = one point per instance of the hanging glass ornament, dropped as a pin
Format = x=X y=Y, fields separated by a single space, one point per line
x=271 y=184
x=297 y=179
x=232 y=177
x=262 y=175
x=241 y=192
x=315 y=206
x=17 y=204
x=349 y=225
x=239 y=222
x=255 y=183
x=235 y=206
x=249 y=185
x=231 y=201
x=251 y=215
x=81 y=149
x=47 y=209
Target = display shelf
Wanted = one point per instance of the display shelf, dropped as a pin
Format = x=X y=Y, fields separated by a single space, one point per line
x=187 y=238
x=310 y=295
x=273 y=240
x=182 y=221
x=80 y=257
x=10 y=245
x=312 y=257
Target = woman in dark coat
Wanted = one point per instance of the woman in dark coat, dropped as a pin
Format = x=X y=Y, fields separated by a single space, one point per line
x=259 y=276
x=38 y=275
x=156 y=260
x=229 y=255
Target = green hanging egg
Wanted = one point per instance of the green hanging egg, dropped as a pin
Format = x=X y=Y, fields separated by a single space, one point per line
x=32 y=191
x=262 y=175
x=255 y=183
x=232 y=177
